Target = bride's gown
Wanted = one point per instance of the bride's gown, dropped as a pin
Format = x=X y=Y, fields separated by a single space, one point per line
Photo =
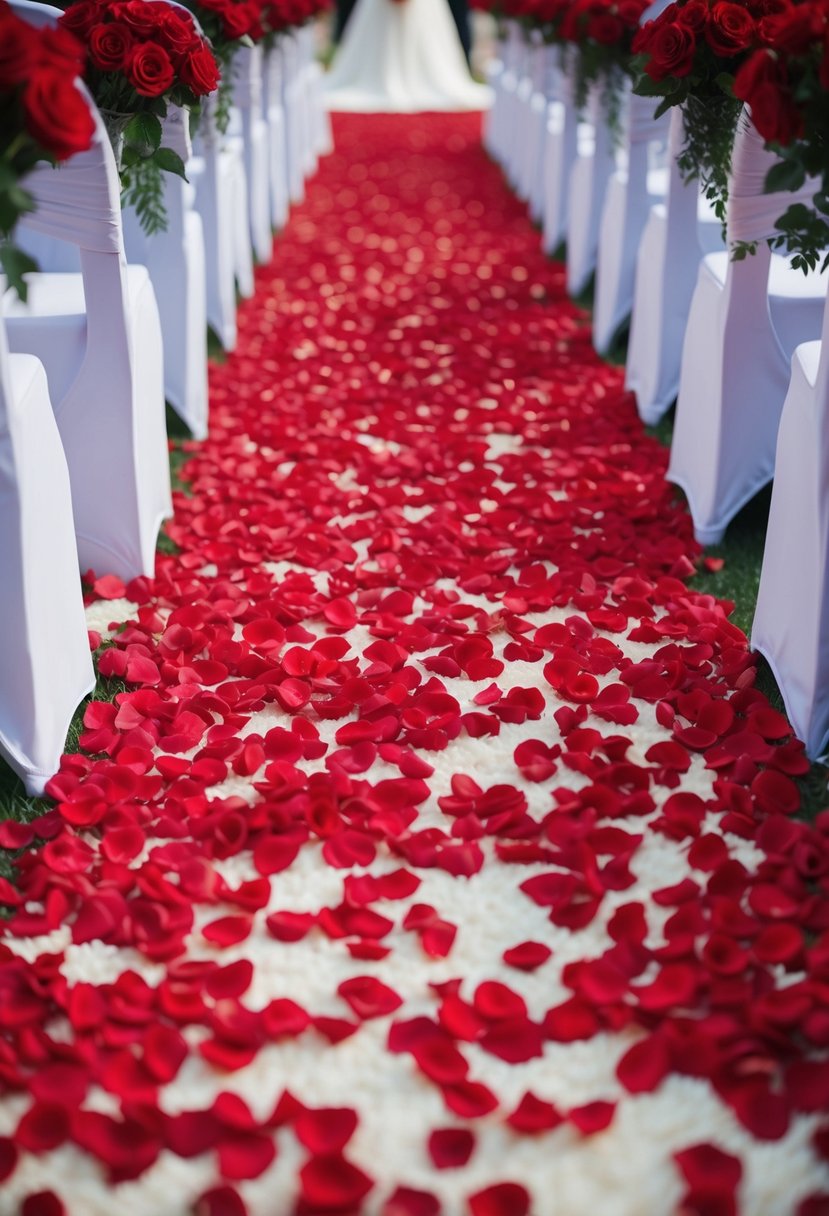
x=402 y=57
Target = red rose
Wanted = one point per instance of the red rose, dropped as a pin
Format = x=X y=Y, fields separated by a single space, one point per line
x=149 y=69
x=792 y=31
x=762 y=83
x=57 y=115
x=109 y=45
x=140 y=16
x=730 y=29
x=694 y=15
x=605 y=29
x=671 y=48
x=80 y=18
x=200 y=71
x=179 y=35
x=62 y=51
x=19 y=51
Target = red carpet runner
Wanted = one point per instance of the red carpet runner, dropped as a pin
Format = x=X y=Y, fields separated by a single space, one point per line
x=440 y=856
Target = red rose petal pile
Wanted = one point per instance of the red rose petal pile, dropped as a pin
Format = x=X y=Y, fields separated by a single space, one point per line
x=440 y=855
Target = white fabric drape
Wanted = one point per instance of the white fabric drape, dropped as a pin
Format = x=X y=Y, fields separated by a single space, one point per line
x=402 y=57
x=745 y=320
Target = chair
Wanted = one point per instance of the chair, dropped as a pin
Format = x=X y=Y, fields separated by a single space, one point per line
x=533 y=118
x=251 y=126
x=321 y=139
x=495 y=69
x=746 y=319
x=634 y=187
x=549 y=90
x=277 y=151
x=561 y=147
x=679 y=231
x=175 y=260
x=791 y=621
x=45 y=664
x=294 y=100
x=217 y=173
x=98 y=335
x=589 y=175
x=525 y=92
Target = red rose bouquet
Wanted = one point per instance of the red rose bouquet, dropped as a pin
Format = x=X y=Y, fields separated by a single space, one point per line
x=278 y=16
x=602 y=32
x=689 y=56
x=43 y=116
x=142 y=57
x=786 y=84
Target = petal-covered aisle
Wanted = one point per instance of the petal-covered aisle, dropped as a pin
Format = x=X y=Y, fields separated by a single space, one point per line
x=439 y=856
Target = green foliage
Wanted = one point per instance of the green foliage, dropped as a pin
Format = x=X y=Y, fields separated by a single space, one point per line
x=143 y=160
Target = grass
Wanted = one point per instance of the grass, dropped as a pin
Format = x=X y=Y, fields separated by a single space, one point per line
x=737 y=581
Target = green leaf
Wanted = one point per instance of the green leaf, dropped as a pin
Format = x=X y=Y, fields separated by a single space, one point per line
x=15 y=263
x=785 y=175
x=170 y=162
x=143 y=131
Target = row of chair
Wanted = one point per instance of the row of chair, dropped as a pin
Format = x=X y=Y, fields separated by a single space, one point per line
x=737 y=344
x=114 y=322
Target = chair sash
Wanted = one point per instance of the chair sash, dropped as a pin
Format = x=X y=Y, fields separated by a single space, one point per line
x=752 y=213
x=247 y=79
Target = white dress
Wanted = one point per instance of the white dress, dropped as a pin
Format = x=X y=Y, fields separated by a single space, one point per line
x=402 y=57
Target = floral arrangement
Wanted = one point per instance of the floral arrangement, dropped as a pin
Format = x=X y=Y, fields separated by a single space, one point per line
x=597 y=36
x=281 y=15
x=786 y=84
x=141 y=58
x=603 y=33
x=228 y=25
x=43 y=117
x=689 y=55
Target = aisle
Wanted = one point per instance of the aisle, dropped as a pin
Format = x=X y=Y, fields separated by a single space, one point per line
x=441 y=846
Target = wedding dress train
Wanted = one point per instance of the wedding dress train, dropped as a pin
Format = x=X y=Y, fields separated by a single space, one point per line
x=402 y=57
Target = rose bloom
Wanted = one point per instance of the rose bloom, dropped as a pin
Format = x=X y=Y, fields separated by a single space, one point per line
x=19 y=51
x=671 y=49
x=180 y=35
x=149 y=69
x=200 y=72
x=793 y=30
x=80 y=18
x=56 y=114
x=605 y=29
x=762 y=83
x=109 y=45
x=694 y=15
x=730 y=29
x=61 y=50
x=141 y=17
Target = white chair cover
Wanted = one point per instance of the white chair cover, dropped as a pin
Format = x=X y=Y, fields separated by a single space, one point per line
x=550 y=90
x=587 y=187
x=518 y=146
x=791 y=621
x=503 y=130
x=678 y=232
x=745 y=320
x=533 y=117
x=98 y=336
x=45 y=664
x=214 y=171
x=631 y=192
x=495 y=69
x=277 y=150
x=247 y=97
x=561 y=147
x=293 y=99
x=320 y=136
x=175 y=260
